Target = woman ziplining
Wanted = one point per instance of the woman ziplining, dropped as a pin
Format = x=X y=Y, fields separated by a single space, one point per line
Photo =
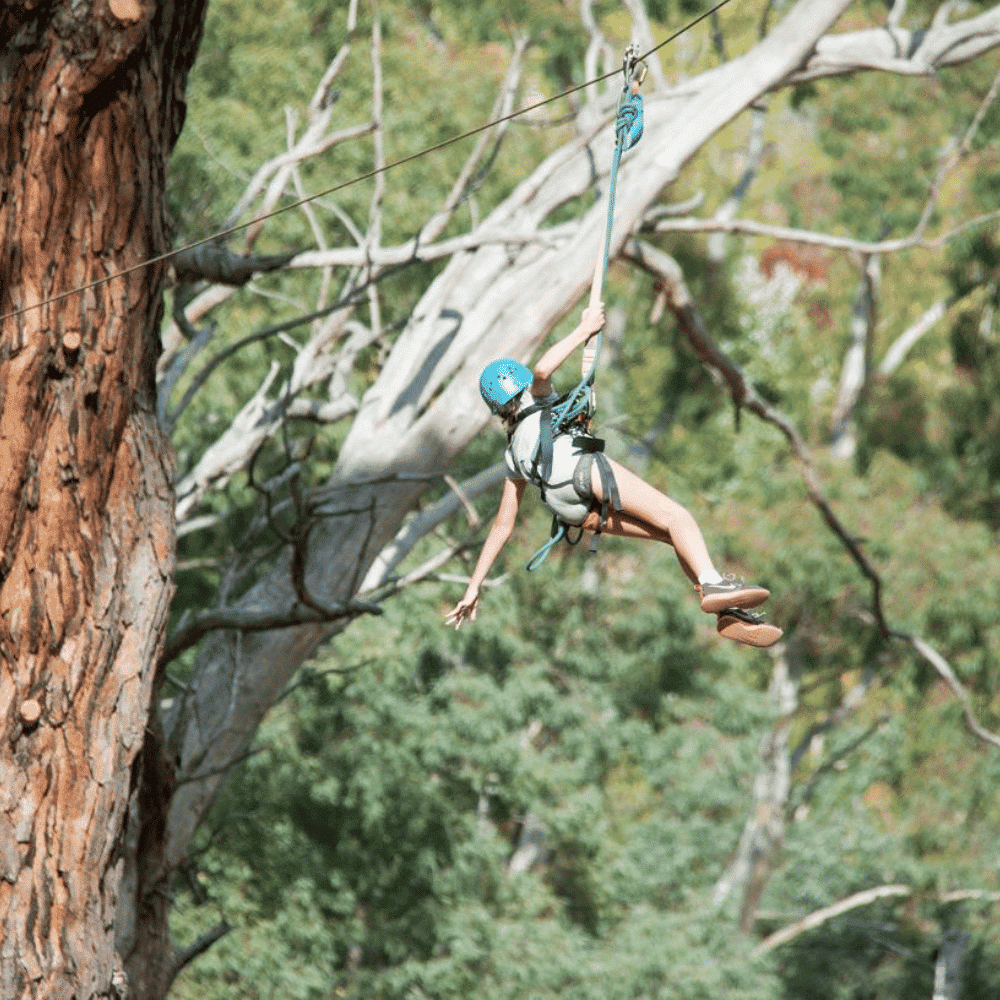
x=549 y=445
x=585 y=489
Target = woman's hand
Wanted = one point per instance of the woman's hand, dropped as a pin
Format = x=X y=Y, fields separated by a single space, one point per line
x=466 y=608
x=592 y=319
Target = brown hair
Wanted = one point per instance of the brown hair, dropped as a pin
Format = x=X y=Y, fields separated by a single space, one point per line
x=508 y=413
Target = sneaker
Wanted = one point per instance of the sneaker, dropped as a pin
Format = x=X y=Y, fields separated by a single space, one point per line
x=731 y=593
x=748 y=628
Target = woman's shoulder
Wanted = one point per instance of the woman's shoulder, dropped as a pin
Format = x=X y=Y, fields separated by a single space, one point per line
x=529 y=400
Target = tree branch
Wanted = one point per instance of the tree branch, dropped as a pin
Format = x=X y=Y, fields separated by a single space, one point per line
x=690 y=321
x=854 y=371
x=900 y=50
x=750 y=228
x=599 y=59
x=828 y=765
x=185 y=956
x=373 y=240
x=322 y=96
x=864 y=898
x=826 y=913
x=312 y=143
x=902 y=344
x=193 y=631
x=957 y=155
x=848 y=705
x=764 y=831
x=746 y=397
x=502 y=108
x=210 y=262
x=944 y=670
x=422 y=524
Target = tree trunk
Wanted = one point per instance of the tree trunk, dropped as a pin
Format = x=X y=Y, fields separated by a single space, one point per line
x=90 y=107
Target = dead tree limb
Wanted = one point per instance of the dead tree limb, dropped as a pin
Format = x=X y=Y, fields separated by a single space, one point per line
x=864 y=898
x=825 y=913
x=857 y=360
x=744 y=395
x=764 y=831
x=945 y=672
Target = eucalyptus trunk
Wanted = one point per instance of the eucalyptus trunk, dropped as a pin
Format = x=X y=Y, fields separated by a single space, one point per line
x=91 y=103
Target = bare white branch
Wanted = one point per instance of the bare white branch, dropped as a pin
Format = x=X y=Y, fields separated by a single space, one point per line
x=329 y=412
x=502 y=108
x=422 y=524
x=728 y=209
x=945 y=672
x=751 y=228
x=374 y=238
x=909 y=337
x=314 y=141
x=957 y=155
x=232 y=451
x=825 y=913
x=854 y=371
x=764 y=831
x=865 y=898
x=321 y=97
x=900 y=50
x=599 y=59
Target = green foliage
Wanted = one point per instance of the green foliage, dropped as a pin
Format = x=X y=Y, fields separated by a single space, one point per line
x=390 y=794
x=367 y=843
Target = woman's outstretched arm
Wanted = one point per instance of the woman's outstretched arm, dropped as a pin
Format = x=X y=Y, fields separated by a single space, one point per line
x=503 y=526
x=591 y=321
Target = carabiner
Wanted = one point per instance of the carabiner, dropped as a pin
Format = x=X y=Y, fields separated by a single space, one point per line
x=633 y=68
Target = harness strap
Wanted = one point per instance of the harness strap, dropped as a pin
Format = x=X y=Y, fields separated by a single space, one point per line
x=593 y=454
x=541 y=463
x=609 y=491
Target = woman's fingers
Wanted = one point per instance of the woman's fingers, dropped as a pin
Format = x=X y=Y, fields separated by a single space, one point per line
x=461 y=611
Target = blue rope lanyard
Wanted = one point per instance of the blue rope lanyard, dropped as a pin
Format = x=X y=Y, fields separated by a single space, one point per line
x=628 y=131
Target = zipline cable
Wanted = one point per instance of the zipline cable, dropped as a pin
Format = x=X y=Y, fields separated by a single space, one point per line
x=368 y=175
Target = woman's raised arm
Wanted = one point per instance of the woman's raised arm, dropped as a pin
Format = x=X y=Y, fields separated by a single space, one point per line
x=591 y=321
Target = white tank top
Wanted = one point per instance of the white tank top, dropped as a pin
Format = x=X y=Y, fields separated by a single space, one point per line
x=523 y=444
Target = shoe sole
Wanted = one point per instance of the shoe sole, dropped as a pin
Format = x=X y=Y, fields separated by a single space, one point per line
x=758 y=634
x=748 y=597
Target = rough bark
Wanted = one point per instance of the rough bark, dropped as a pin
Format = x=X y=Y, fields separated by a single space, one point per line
x=90 y=105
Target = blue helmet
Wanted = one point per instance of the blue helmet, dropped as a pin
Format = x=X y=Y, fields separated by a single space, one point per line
x=502 y=380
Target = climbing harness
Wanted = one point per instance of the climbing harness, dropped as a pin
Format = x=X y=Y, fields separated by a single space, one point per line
x=572 y=412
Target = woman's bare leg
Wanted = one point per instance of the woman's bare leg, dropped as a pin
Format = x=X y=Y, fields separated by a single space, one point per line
x=648 y=513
